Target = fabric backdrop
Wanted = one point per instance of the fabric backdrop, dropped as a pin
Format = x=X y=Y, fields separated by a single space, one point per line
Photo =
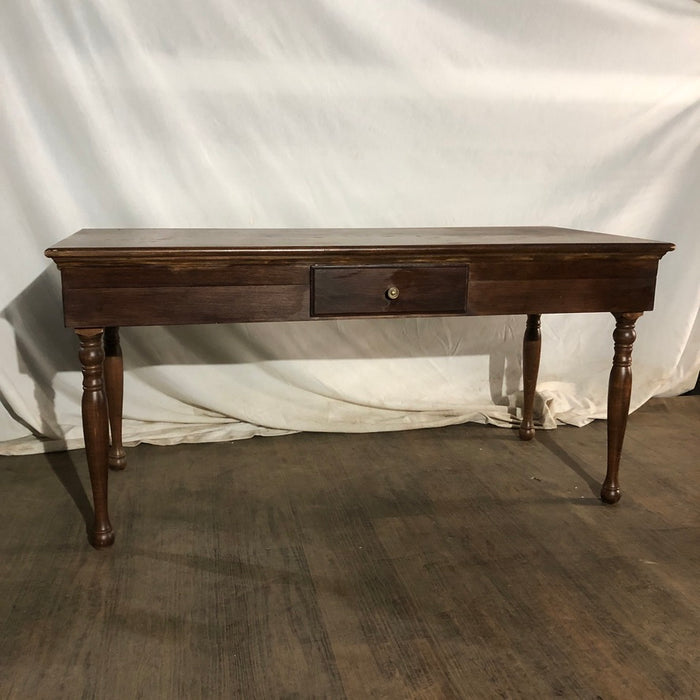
x=269 y=113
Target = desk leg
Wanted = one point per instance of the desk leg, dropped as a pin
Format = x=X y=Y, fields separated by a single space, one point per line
x=95 y=430
x=619 y=390
x=114 y=388
x=532 y=343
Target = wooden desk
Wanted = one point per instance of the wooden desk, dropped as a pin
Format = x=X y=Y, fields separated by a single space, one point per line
x=137 y=277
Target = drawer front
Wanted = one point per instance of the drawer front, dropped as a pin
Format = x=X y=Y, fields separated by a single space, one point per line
x=420 y=290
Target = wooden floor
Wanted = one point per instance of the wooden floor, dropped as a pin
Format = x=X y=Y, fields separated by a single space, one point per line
x=448 y=563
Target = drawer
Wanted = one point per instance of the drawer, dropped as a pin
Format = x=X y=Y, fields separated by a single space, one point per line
x=380 y=290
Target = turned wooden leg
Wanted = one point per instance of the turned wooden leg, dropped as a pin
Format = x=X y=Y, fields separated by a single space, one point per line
x=95 y=430
x=619 y=390
x=114 y=387
x=532 y=343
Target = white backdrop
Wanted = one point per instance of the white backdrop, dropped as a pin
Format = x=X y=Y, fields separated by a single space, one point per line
x=269 y=113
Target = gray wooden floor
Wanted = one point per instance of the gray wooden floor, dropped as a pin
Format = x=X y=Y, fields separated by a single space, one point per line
x=454 y=562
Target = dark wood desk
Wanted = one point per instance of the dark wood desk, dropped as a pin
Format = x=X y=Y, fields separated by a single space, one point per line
x=137 y=277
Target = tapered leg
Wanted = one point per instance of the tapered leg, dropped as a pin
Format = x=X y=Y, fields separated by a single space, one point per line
x=619 y=390
x=95 y=430
x=532 y=343
x=114 y=387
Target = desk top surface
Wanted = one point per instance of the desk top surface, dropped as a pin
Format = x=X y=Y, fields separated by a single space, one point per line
x=137 y=242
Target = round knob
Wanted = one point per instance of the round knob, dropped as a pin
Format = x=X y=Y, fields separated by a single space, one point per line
x=392 y=293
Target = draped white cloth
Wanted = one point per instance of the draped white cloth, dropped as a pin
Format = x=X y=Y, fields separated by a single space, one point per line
x=267 y=113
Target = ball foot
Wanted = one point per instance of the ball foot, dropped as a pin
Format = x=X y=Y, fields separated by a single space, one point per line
x=102 y=538
x=526 y=432
x=610 y=494
x=117 y=458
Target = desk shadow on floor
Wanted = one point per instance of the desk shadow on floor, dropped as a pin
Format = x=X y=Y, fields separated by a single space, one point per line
x=63 y=466
x=548 y=441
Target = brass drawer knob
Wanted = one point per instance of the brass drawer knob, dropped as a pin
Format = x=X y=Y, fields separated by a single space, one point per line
x=392 y=293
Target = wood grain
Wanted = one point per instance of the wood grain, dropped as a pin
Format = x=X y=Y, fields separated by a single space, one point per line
x=576 y=295
x=183 y=243
x=447 y=563
x=96 y=431
x=114 y=390
x=364 y=290
x=147 y=306
x=532 y=348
